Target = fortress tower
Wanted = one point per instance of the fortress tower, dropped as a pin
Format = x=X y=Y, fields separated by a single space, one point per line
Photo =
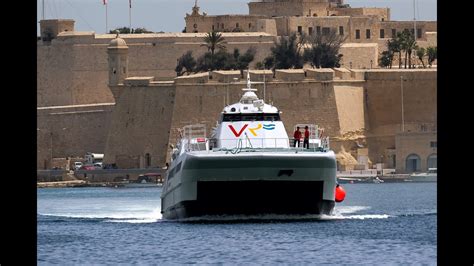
x=118 y=61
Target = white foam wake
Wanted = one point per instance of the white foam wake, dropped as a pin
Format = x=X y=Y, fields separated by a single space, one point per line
x=132 y=216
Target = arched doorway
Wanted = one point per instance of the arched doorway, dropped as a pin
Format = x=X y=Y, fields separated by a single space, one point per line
x=413 y=163
x=147 y=160
x=432 y=161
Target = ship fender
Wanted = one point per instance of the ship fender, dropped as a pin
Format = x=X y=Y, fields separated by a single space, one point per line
x=340 y=193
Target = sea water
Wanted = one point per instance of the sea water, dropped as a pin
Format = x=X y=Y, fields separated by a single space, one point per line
x=388 y=223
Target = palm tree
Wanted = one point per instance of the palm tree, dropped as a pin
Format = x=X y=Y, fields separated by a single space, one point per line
x=420 y=53
x=213 y=40
x=394 y=46
x=408 y=44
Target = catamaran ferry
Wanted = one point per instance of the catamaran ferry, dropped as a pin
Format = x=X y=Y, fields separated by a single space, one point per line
x=248 y=167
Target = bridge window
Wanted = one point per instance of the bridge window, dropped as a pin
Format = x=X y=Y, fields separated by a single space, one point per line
x=250 y=117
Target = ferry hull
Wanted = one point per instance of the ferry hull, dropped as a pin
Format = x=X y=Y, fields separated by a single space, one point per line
x=254 y=198
x=284 y=184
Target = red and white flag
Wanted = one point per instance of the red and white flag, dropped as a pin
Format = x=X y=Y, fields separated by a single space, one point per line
x=105 y=2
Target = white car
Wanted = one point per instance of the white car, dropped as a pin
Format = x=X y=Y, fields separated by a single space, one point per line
x=77 y=165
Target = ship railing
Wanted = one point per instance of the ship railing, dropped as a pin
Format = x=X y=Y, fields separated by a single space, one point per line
x=262 y=143
x=208 y=144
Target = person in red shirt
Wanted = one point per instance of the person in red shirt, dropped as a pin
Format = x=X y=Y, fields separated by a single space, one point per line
x=306 y=138
x=297 y=136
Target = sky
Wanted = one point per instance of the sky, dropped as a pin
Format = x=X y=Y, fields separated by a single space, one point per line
x=168 y=15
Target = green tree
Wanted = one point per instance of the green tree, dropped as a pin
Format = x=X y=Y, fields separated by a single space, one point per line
x=324 y=50
x=432 y=53
x=186 y=64
x=213 y=40
x=386 y=59
x=284 y=54
x=420 y=53
x=126 y=30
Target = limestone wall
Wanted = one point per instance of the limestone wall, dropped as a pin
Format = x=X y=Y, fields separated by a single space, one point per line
x=223 y=23
x=71 y=131
x=418 y=143
x=73 y=69
x=140 y=126
x=359 y=55
x=383 y=104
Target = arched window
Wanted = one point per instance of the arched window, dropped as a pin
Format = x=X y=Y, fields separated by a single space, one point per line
x=432 y=161
x=147 y=160
x=413 y=163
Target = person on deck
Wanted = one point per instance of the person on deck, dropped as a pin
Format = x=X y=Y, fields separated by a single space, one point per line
x=297 y=137
x=306 y=138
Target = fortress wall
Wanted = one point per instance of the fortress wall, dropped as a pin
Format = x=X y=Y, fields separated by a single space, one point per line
x=420 y=142
x=71 y=131
x=363 y=24
x=358 y=55
x=364 y=11
x=54 y=71
x=350 y=106
x=305 y=22
x=222 y=23
x=140 y=125
x=272 y=9
x=383 y=100
x=71 y=73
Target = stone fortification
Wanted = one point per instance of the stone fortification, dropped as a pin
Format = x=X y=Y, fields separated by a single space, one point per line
x=357 y=108
x=72 y=69
x=71 y=131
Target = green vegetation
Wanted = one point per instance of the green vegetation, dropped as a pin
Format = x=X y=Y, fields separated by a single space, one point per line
x=324 y=50
x=213 y=41
x=405 y=42
x=432 y=53
x=216 y=58
x=126 y=30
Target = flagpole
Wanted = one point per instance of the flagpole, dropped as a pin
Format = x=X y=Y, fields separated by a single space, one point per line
x=130 y=15
x=43 y=9
x=106 y=20
x=414 y=18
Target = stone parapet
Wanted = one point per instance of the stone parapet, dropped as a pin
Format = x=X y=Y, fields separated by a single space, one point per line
x=320 y=74
x=290 y=74
x=257 y=75
x=138 y=81
x=226 y=76
x=342 y=73
x=196 y=78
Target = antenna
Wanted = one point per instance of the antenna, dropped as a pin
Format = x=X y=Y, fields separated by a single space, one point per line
x=249 y=83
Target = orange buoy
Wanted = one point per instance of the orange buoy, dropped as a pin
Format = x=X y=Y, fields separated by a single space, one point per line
x=340 y=193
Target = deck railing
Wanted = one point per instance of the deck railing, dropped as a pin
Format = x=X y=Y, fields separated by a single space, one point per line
x=203 y=144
